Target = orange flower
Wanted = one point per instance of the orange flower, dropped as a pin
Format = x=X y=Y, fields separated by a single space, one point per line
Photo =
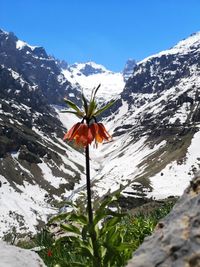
x=81 y=136
x=84 y=134
x=99 y=132
x=71 y=133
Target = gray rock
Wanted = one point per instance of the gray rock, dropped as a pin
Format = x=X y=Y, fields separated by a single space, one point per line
x=128 y=69
x=176 y=240
x=12 y=256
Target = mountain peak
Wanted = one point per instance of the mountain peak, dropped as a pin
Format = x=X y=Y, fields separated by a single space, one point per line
x=182 y=47
x=89 y=68
x=128 y=69
x=21 y=44
x=192 y=40
x=90 y=74
x=3 y=32
x=10 y=39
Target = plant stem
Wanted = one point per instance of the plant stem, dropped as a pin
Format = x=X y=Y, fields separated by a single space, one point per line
x=97 y=259
x=89 y=198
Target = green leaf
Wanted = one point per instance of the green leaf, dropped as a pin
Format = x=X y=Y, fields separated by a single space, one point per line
x=87 y=251
x=111 y=255
x=124 y=246
x=98 y=217
x=85 y=104
x=70 y=228
x=106 y=202
x=95 y=92
x=73 y=106
x=112 y=222
x=60 y=217
x=115 y=214
x=78 y=218
x=85 y=231
x=92 y=108
x=69 y=203
x=75 y=263
x=102 y=212
x=68 y=240
x=72 y=112
x=104 y=108
x=103 y=251
x=110 y=235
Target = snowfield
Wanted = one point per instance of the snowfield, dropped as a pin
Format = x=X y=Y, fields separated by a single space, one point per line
x=21 y=44
x=112 y=83
x=176 y=177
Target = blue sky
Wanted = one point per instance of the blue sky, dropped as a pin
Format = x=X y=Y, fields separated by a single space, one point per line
x=105 y=31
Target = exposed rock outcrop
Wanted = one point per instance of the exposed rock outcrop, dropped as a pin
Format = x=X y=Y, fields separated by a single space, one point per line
x=32 y=153
x=176 y=240
x=128 y=69
x=34 y=66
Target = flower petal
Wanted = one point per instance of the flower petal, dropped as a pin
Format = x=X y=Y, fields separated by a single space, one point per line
x=84 y=135
x=81 y=136
x=70 y=134
x=93 y=129
x=103 y=132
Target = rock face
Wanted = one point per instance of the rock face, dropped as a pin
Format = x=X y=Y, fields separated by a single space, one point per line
x=176 y=240
x=128 y=69
x=90 y=68
x=163 y=70
x=12 y=256
x=32 y=153
x=156 y=123
x=34 y=65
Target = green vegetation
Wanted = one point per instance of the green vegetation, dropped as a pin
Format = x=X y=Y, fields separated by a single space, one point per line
x=117 y=235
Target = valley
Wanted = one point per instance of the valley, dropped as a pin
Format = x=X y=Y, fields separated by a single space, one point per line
x=155 y=125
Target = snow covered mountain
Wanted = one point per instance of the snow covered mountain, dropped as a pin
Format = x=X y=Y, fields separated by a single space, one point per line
x=89 y=75
x=155 y=124
x=128 y=69
x=35 y=169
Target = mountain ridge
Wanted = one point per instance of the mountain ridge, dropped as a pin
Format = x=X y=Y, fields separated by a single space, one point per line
x=155 y=125
x=36 y=166
x=90 y=74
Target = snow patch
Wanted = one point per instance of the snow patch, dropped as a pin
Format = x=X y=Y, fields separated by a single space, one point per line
x=21 y=44
x=176 y=177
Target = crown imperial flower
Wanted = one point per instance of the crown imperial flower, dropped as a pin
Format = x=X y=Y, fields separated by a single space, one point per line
x=88 y=130
x=84 y=134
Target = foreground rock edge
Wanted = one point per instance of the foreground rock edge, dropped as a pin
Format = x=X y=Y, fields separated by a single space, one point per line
x=176 y=240
x=18 y=257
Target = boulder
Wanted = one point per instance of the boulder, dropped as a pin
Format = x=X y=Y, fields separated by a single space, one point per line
x=12 y=256
x=176 y=240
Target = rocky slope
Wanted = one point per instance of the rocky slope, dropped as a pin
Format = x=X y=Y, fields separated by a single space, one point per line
x=175 y=241
x=35 y=66
x=155 y=125
x=36 y=166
